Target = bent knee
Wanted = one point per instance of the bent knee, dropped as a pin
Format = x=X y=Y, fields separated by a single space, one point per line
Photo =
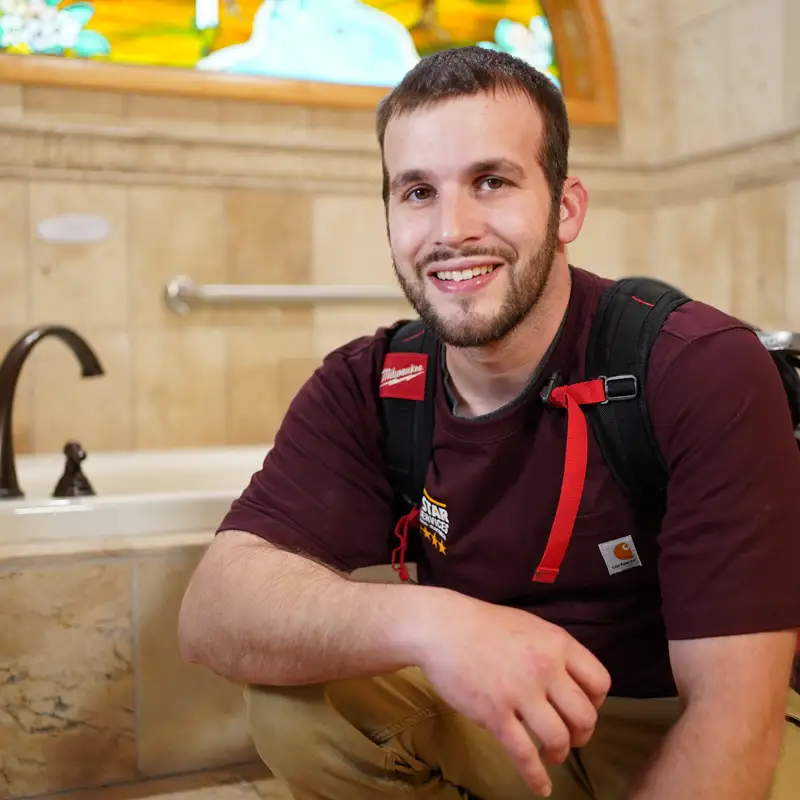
x=285 y=722
x=278 y=712
x=786 y=780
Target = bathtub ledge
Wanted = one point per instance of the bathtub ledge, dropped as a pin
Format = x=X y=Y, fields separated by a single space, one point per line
x=17 y=555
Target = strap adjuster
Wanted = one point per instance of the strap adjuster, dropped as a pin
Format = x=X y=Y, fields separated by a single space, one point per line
x=620 y=387
x=556 y=380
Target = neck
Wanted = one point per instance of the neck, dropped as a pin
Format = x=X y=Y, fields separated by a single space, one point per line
x=485 y=379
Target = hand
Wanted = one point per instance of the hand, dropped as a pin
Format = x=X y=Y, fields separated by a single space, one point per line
x=517 y=676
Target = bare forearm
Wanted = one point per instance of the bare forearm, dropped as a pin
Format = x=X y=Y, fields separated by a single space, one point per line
x=707 y=757
x=256 y=614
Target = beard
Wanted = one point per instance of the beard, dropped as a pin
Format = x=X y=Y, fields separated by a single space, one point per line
x=526 y=282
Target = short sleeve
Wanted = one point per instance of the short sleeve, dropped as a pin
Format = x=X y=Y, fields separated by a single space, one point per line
x=322 y=490
x=730 y=540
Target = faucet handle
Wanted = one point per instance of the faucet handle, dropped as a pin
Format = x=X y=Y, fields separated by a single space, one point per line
x=74 y=452
x=73 y=483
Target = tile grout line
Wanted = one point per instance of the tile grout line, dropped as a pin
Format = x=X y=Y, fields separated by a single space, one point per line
x=131 y=328
x=226 y=770
x=58 y=561
x=135 y=664
x=129 y=310
x=226 y=332
x=29 y=305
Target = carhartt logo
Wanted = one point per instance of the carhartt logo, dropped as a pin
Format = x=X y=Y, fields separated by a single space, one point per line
x=620 y=555
x=403 y=376
x=623 y=551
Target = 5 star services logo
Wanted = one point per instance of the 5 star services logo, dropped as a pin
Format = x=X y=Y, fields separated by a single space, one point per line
x=434 y=522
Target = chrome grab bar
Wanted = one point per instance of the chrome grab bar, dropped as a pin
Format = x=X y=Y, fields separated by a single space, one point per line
x=182 y=294
x=780 y=340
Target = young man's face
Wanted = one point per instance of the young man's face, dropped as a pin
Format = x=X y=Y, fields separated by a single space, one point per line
x=471 y=225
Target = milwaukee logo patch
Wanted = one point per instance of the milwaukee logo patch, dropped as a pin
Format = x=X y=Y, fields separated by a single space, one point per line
x=403 y=376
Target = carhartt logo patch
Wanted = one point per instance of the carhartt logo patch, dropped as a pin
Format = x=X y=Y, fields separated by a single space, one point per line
x=403 y=376
x=620 y=554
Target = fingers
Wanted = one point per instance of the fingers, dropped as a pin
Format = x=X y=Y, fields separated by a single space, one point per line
x=547 y=727
x=575 y=709
x=589 y=673
x=519 y=745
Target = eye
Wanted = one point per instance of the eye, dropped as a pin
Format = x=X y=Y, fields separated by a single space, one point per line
x=492 y=183
x=419 y=193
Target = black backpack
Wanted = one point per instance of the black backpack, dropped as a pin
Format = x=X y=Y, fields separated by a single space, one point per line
x=625 y=326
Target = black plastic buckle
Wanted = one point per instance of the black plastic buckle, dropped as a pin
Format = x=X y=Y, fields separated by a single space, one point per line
x=556 y=379
x=620 y=387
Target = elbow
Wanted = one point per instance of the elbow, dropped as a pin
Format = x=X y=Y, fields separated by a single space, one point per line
x=190 y=645
x=199 y=642
x=197 y=633
x=197 y=622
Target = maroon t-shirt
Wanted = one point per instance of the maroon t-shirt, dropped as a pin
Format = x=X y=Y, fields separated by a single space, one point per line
x=724 y=560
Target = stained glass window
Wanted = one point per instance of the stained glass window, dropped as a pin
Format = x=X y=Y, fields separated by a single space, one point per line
x=360 y=42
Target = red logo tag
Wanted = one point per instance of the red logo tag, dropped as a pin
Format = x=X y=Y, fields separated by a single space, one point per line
x=403 y=376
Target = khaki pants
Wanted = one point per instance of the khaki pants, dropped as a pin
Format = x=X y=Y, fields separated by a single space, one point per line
x=393 y=737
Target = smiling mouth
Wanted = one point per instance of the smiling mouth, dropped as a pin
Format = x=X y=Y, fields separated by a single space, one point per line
x=464 y=274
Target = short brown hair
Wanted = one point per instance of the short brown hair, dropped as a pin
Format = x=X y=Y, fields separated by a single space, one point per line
x=465 y=71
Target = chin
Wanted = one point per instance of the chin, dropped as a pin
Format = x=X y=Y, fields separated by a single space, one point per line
x=467 y=330
x=475 y=312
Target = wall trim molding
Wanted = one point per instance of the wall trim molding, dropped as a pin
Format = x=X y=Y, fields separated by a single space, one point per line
x=325 y=159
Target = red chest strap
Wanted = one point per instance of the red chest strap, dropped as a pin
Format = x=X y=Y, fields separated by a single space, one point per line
x=572 y=398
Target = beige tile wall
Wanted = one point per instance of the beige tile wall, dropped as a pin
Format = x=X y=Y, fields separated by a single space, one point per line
x=705 y=191
x=732 y=67
x=66 y=678
x=219 y=375
x=92 y=689
x=697 y=184
x=188 y=717
x=236 y=192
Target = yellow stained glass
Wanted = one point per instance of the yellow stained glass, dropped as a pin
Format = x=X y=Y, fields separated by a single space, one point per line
x=368 y=42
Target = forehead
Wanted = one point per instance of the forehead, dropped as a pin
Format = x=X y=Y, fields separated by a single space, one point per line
x=450 y=134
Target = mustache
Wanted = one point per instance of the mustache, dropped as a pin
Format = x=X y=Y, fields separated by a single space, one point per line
x=447 y=254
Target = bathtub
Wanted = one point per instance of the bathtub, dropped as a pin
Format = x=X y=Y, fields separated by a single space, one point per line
x=173 y=495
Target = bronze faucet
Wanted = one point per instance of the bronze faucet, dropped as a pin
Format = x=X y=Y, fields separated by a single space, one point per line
x=9 y=375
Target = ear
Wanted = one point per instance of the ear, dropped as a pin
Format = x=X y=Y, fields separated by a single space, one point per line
x=574 y=202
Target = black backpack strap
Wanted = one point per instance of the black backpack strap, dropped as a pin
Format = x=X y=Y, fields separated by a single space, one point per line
x=784 y=347
x=788 y=364
x=626 y=324
x=409 y=422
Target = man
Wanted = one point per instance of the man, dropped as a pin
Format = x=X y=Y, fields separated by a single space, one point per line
x=665 y=680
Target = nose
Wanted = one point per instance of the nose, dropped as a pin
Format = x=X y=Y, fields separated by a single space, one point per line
x=458 y=220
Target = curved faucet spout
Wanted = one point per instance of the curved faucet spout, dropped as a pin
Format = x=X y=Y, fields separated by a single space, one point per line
x=10 y=370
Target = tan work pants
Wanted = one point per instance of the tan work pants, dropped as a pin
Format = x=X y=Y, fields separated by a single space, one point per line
x=393 y=737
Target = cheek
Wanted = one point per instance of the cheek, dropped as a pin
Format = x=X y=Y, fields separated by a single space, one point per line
x=521 y=234
x=520 y=221
x=513 y=223
x=406 y=236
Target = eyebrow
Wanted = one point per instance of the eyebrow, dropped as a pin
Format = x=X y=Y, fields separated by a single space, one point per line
x=498 y=165
x=489 y=165
x=408 y=177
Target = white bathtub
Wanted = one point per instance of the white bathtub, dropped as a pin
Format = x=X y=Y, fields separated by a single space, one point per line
x=138 y=494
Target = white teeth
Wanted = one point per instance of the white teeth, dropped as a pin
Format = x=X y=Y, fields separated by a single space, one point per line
x=463 y=274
